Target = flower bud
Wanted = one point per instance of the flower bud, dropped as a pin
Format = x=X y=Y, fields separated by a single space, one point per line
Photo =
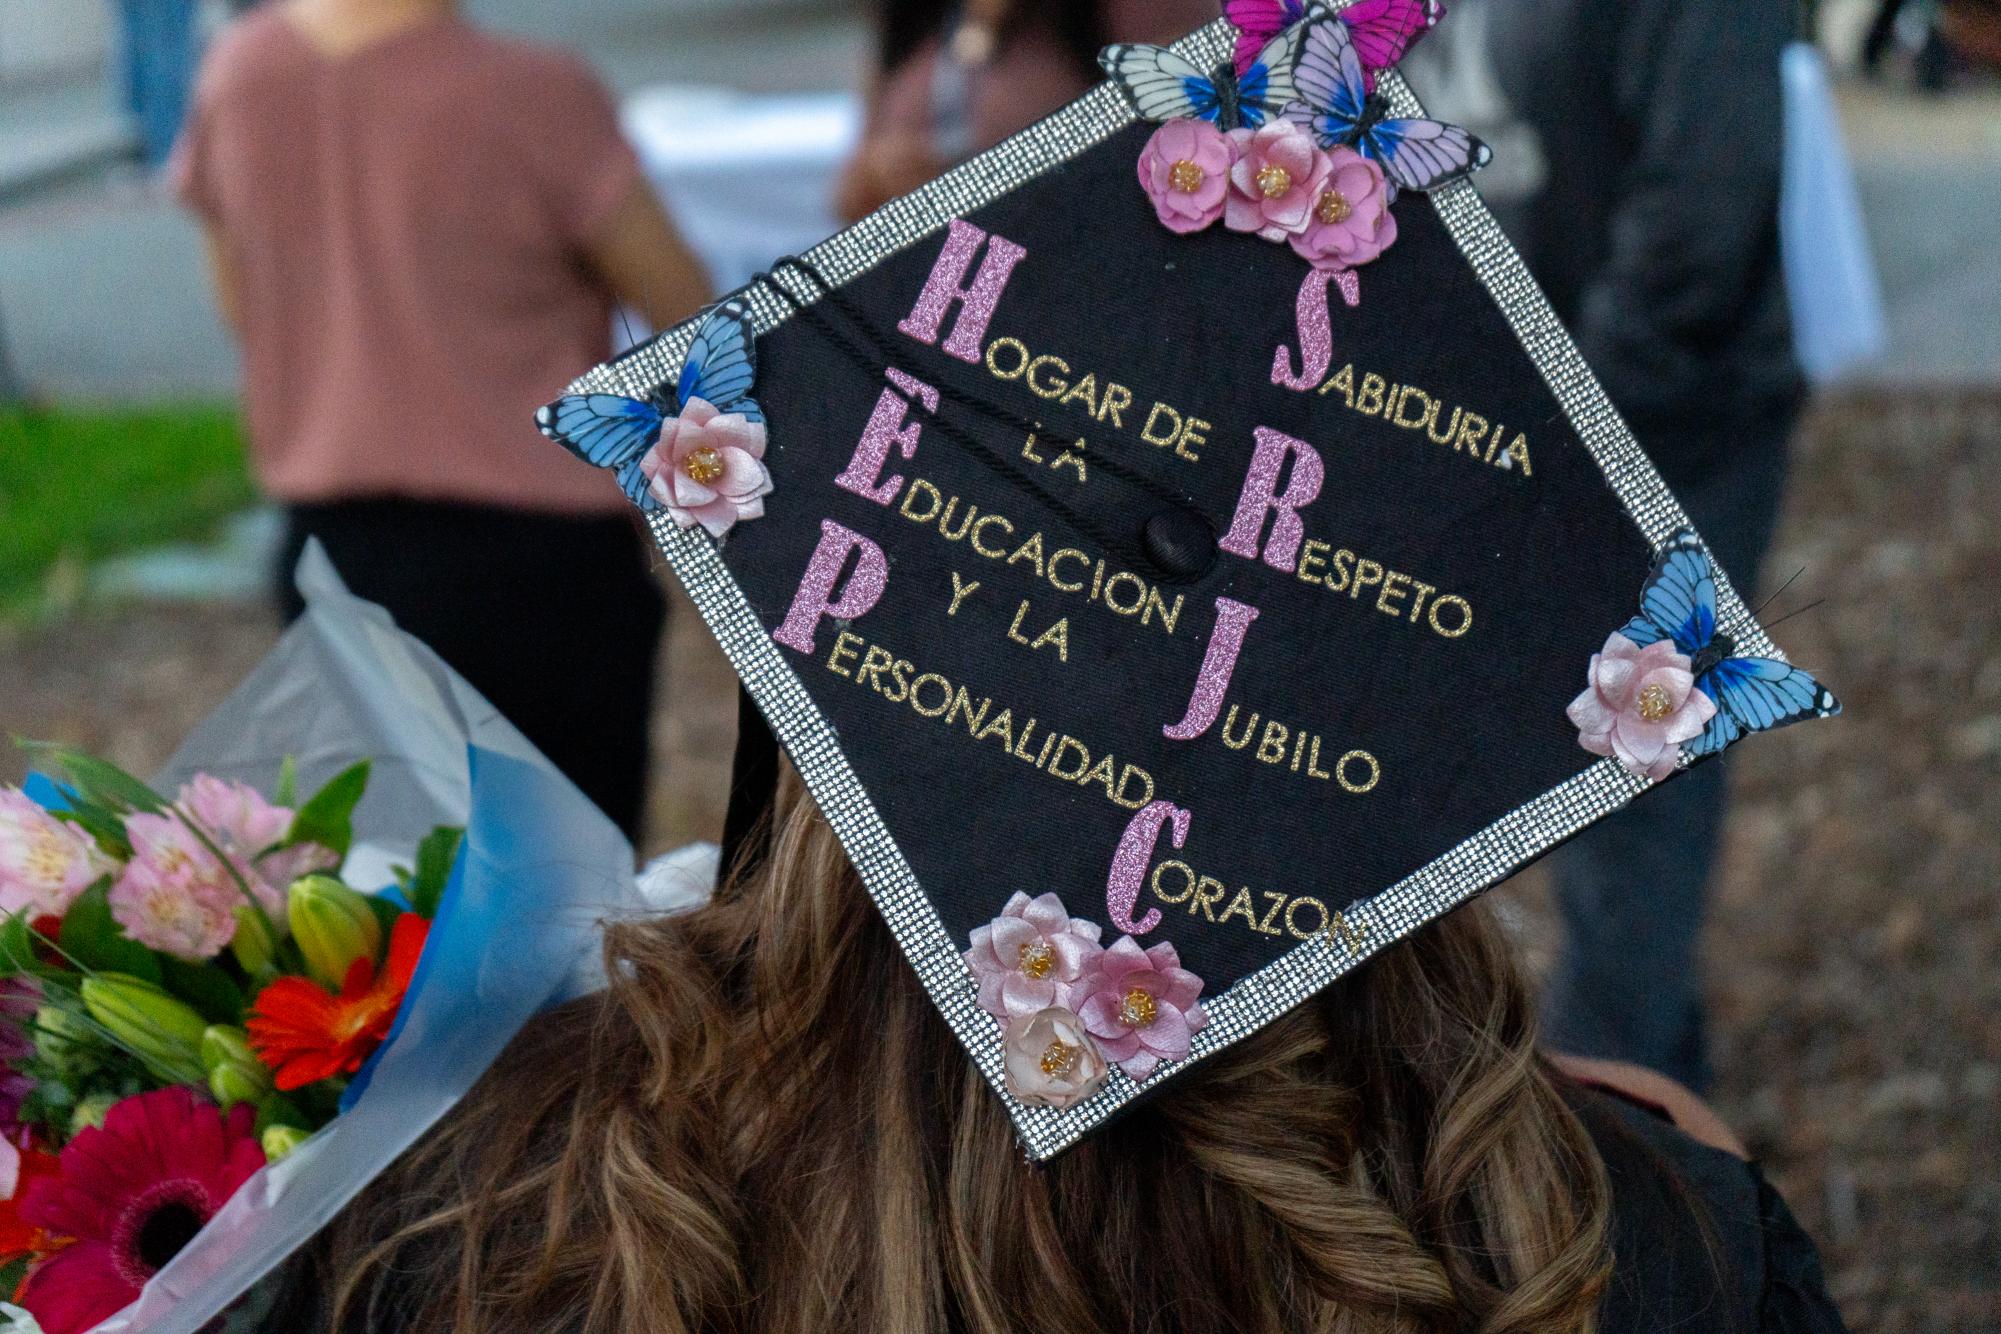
x=66 y=1039
x=254 y=945
x=280 y=1140
x=164 y=1033
x=333 y=925
x=90 y=1113
x=234 y=1072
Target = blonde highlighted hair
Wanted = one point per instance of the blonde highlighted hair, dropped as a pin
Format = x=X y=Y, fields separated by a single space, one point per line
x=764 y=1125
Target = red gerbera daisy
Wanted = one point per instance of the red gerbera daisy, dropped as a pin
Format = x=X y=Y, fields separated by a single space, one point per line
x=21 y=1168
x=131 y=1195
x=306 y=1034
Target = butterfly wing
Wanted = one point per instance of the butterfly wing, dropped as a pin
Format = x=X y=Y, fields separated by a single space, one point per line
x=1267 y=87
x=1257 y=22
x=1161 y=84
x=1327 y=80
x=608 y=431
x=1757 y=695
x=1383 y=30
x=1418 y=154
x=1679 y=599
x=721 y=364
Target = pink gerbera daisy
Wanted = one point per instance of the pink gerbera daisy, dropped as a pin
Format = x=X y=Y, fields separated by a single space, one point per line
x=129 y=1196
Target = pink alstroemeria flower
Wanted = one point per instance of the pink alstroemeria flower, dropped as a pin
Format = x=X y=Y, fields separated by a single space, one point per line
x=1640 y=705
x=1141 y=1006
x=708 y=467
x=44 y=862
x=1029 y=957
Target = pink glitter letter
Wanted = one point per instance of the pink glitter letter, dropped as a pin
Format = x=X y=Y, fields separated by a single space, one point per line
x=886 y=427
x=1129 y=864
x=947 y=284
x=1316 y=336
x=1260 y=495
x=815 y=598
x=1233 y=618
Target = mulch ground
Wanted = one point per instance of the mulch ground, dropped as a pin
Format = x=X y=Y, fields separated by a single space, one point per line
x=1855 y=934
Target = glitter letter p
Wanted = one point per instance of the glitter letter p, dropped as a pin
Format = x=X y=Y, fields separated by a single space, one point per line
x=815 y=598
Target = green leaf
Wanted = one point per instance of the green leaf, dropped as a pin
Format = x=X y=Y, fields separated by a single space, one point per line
x=385 y=912
x=101 y=823
x=435 y=856
x=17 y=950
x=93 y=939
x=96 y=780
x=287 y=790
x=279 y=1110
x=206 y=987
x=327 y=818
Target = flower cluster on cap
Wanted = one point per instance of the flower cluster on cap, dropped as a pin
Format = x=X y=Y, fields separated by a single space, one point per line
x=1070 y=1008
x=1331 y=205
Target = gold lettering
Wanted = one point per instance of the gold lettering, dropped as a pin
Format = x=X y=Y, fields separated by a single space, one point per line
x=1465 y=615
x=1020 y=351
x=844 y=651
x=1147 y=432
x=1182 y=868
x=1006 y=527
x=1117 y=399
x=961 y=590
x=1073 y=553
x=1249 y=728
x=1031 y=550
x=1312 y=556
x=918 y=485
x=1043 y=388
x=1240 y=906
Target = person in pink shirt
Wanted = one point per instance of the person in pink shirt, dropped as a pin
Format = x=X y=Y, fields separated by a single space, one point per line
x=419 y=231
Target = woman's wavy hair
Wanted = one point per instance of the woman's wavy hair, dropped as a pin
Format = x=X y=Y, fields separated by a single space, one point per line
x=764 y=1125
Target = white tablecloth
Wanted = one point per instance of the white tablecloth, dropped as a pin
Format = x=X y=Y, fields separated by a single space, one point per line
x=746 y=178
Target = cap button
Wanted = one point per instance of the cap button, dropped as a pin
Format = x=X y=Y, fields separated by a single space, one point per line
x=1181 y=543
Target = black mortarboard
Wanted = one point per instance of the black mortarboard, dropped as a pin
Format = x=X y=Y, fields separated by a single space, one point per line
x=1078 y=536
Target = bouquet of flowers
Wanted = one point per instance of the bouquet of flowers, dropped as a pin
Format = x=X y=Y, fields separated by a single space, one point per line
x=189 y=989
x=230 y=996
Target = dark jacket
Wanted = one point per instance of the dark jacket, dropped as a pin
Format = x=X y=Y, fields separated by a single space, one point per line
x=1654 y=229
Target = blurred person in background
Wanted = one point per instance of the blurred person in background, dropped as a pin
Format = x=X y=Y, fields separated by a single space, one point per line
x=159 y=45
x=951 y=79
x=419 y=230
x=1637 y=158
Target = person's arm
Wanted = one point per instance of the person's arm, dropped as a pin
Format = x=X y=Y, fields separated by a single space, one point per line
x=1696 y=84
x=643 y=260
x=1690 y=1114
x=223 y=276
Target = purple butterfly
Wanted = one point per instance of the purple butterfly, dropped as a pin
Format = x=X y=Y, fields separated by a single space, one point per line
x=1382 y=30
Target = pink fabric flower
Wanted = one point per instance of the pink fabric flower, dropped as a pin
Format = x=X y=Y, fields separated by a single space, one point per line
x=44 y=862
x=1276 y=180
x=1141 y=1006
x=1050 y=1061
x=1640 y=705
x=1185 y=171
x=176 y=895
x=1029 y=957
x=707 y=467
x=131 y=1194
x=1350 y=222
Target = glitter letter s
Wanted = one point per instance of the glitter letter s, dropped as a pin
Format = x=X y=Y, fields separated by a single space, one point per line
x=1233 y=618
x=1316 y=336
x=1130 y=861
x=947 y=284
x=815 y=598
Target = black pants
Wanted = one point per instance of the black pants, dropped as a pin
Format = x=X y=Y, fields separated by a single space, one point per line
x=555 y=620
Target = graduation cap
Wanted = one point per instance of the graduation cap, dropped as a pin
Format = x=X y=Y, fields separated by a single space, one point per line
x=1182 y=554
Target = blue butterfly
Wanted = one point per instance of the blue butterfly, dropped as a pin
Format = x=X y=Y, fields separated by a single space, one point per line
x=1165 y=86
x=613 y=431
x=1750 y=694
x=1337 y=105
